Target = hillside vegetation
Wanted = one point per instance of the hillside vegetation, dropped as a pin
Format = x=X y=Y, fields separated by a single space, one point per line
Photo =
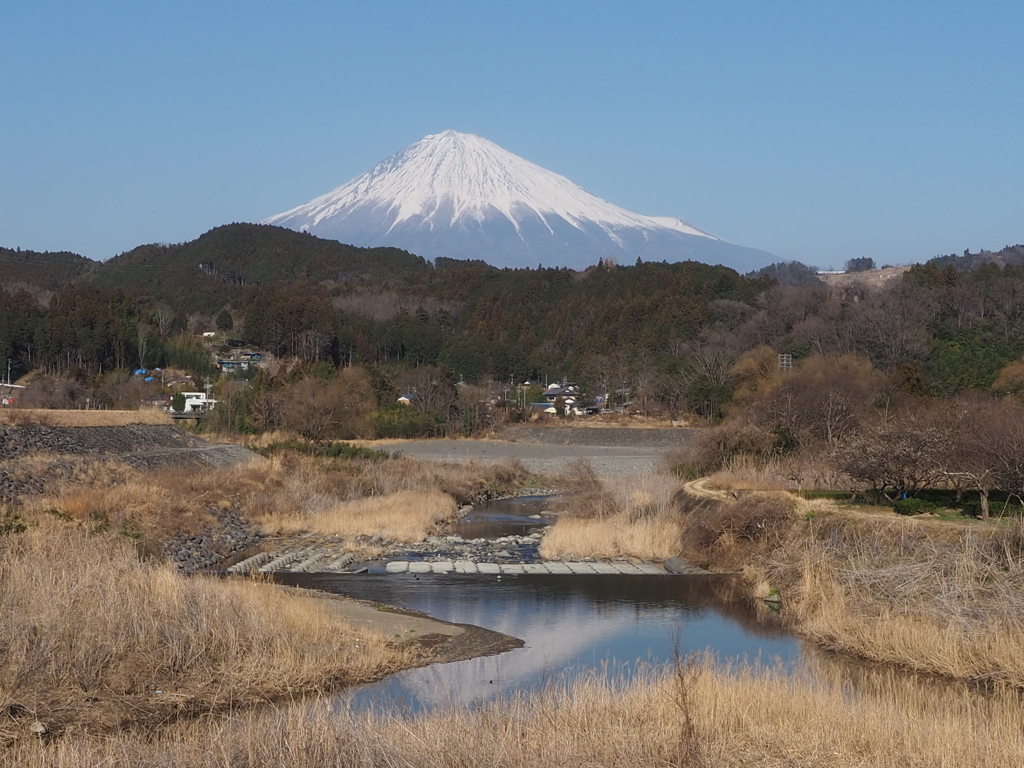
x=656 y=338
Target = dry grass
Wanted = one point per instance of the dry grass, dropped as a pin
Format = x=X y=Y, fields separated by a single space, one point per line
x=573 y=538
x=289 y=492
x=92 y=637
x=631 y=517
x=941 y=597
x=403 y=516
x=57 y=418
x=702 y=716
x=794 y=472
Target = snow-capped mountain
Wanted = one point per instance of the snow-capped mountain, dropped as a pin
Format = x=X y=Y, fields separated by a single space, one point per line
x=461 y=196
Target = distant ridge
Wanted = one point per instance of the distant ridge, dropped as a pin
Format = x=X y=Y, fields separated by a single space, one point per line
x=461 y=196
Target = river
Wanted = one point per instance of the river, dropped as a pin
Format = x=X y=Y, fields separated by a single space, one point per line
x=571 y=624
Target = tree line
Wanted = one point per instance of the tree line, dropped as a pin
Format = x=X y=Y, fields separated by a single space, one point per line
x=657 y=338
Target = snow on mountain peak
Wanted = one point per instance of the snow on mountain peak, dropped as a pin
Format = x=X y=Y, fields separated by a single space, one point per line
x=460 y=195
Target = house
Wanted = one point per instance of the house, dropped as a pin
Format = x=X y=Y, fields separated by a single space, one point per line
x=198 y=402
x=7 y=394
x=568 y=395
x=233 y=366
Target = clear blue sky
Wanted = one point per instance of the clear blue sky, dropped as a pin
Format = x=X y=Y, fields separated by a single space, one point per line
x=817 y=131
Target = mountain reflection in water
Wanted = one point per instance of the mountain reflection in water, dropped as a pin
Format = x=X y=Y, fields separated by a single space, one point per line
x=571 y=625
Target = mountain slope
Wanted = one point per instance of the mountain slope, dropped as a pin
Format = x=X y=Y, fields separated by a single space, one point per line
x=205 y=273
x=460 y=196
x=42 y=271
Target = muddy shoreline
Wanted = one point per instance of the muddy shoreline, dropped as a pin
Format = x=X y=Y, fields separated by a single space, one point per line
x=441 y=641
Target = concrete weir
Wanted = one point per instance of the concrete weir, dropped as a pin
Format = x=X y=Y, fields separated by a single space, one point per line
x=554 y=566
x=319 y=558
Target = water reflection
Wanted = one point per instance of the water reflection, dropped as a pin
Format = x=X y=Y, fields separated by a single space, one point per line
x=505 y=517
x=571 y=624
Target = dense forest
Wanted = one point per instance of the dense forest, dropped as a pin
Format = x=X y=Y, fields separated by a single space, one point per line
x=670 y=338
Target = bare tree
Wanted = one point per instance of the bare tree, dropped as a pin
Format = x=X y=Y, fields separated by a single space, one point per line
x=893 y=324
x=898 y=456
x=163 y=316
x=335 y=408
x=143 y=331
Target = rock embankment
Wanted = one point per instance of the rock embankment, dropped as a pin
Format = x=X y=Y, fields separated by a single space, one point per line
x=228 y=537
x=34 y=455
x=143 y=446
x=29 y=439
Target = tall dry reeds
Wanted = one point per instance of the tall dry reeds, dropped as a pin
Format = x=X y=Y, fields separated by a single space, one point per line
x=934 y=596
x=627 y=517
x=696 y=717
x=93 y=637
x=403 y=516
x=289 y=491
x=946 y=599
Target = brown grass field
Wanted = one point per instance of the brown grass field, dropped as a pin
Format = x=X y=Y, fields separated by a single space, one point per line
x=287 y=493
x=402 y=516
x=94 y=638
x=57 y=418
x=696 y=716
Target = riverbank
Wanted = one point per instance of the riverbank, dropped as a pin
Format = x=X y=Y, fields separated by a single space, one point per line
x=937 y=596
x=100 y=631
x=922 y=593
x=95 y=639
x=693 y=717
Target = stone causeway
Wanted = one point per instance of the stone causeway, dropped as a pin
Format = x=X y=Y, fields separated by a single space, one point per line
x=550 y=566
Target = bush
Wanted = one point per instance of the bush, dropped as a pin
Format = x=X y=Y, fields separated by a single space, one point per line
x=728 y=535
x=716 y=447
x=913 y=506
x=588 y=497
x=178 y=402
x=684 y=470
x=327 y=450
x=407 y=422
x=971 y=508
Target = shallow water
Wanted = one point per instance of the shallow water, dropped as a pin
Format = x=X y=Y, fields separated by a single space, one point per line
x=505 y=517
x=571 y=625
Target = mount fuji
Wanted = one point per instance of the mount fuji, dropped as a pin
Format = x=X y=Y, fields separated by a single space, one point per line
x=461 y=196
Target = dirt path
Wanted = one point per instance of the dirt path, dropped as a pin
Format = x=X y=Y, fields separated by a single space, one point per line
x=444 y=641
x=702 y=489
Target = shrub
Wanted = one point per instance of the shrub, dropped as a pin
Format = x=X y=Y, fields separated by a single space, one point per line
x=407 y=422
x=588 y=496
x=12 y=523
x=913 y=506
x=716 y=447
x=339 y=450
x=178 y=402
x=729 y=534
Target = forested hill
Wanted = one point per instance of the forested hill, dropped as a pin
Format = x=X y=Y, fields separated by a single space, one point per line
x=46 y=271
x=296 y=295
x=206 y=273
x=1011 y=255
x=673 y=331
